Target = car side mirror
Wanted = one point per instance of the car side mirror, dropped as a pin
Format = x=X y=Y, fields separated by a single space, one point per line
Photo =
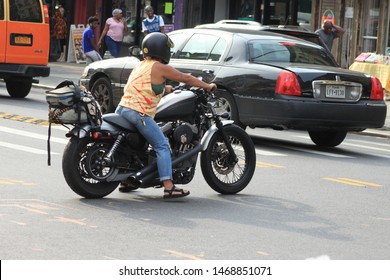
x=135 y=51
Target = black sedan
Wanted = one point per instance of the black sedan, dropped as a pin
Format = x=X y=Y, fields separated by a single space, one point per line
x=264 y=80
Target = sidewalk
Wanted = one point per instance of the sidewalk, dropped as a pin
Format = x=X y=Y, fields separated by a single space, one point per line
x=60 y=71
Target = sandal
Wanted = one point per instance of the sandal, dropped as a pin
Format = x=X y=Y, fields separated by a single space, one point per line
x=175 y=193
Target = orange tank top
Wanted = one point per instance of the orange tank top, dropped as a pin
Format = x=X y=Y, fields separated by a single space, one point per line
x=138 y=94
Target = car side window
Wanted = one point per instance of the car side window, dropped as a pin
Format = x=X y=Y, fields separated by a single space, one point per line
x=200 y=47
x=26 y=11
x=177 y=40
x=218 y=50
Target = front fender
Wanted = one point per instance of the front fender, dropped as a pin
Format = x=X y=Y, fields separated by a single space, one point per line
x=81 y=131
x=209 y=133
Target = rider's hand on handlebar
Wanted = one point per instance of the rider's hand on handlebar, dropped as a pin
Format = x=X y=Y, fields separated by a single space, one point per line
x=212 y=87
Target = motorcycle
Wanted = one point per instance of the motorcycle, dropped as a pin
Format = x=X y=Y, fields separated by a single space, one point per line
x=97 y=158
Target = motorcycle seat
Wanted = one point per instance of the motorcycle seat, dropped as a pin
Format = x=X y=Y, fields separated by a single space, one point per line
x=118 y=120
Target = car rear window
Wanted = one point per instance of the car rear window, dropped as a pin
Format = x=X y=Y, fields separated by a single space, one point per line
x=1 y=9
x=26 y=11
x=287 y=51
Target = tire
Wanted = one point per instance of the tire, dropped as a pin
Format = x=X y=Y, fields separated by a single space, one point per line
x=225 y=177
x=327 y=138
x=228 y=104
x=101 y=88
x=18 y=88
x=79 y=162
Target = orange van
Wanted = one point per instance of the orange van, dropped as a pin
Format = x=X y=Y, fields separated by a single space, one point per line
x=24 y=44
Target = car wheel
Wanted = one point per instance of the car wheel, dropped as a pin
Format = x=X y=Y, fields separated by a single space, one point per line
x=226 y=103
x=327 y=138
x=101 y=89
x=18 y=88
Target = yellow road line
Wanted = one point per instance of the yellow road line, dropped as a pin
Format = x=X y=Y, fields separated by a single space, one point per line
x=352 y=182
x=362 y=182
x=25 y=119
x=265 y=165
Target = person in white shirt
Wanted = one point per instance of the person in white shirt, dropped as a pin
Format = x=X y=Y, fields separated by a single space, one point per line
x=152 y=23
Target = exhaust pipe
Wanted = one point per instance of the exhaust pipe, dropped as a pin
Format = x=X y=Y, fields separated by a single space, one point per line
x=151 y=172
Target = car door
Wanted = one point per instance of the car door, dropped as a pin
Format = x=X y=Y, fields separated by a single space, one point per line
x=27 y=32
x=201 y=56
x=2 y=32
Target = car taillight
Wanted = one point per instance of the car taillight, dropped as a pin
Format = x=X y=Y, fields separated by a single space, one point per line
x=288 y=84
x=46 y=14
x=376 y=89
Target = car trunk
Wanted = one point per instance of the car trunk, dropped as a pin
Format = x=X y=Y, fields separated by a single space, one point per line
x=329 y=75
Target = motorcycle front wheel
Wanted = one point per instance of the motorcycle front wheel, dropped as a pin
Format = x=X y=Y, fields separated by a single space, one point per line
x=81 y=169
x=222 y=173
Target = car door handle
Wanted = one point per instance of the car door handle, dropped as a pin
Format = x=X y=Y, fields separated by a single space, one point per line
x=208 y=71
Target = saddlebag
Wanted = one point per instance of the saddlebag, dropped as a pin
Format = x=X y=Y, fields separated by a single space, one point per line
x=70 y=105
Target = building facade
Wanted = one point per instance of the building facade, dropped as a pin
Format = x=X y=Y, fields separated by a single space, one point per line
x=366 y=23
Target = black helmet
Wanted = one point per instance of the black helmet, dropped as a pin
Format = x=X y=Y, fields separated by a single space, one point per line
x=157 y=45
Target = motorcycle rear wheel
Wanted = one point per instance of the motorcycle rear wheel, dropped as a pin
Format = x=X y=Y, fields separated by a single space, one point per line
x=223 y=175
x=75 y=165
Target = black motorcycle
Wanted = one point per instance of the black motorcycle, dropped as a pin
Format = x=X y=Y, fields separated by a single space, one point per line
x=98 y=157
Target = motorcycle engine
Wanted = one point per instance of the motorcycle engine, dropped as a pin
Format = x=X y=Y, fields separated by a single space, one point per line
x=184 y=133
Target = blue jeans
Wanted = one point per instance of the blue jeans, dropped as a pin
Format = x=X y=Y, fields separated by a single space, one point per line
x=153 y=134
x=113 y=46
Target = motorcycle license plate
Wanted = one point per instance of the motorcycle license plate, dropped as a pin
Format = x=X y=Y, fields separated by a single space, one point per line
x=333 y=91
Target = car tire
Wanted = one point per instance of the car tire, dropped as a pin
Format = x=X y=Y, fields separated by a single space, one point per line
x=228 y=104
x=18 y=88
x=102 y=90
x=327 y=138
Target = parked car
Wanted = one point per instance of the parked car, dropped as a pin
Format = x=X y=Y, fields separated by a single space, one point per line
x=264 y=80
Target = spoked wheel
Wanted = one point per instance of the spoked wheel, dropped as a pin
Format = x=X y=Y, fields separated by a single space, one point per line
x=223 y=172
x=84 y=169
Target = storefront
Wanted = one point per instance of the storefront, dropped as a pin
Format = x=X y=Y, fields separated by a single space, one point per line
x=366 y=24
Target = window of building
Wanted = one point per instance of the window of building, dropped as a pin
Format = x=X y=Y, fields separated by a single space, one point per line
x=370 y=26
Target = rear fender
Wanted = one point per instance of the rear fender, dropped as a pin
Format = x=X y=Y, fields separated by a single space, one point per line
x=209 y=133
x=80 y=131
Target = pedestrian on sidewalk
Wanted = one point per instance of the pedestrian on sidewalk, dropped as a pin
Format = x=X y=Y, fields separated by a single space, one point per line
x=329 y=32
x=113 y=32
x=60 y=30
x=152 y=23
x=90 y=48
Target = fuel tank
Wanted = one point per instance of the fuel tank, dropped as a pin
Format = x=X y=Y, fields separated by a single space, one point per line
x=179 y=104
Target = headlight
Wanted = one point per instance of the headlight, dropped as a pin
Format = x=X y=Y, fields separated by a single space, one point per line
x=85 y=72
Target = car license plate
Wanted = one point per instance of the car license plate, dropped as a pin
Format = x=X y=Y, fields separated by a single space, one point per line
x=333 y=91
x=22 y=40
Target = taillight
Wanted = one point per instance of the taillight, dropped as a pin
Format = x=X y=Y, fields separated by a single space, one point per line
x=288 y=84
x=376 y=89
x=46 y=14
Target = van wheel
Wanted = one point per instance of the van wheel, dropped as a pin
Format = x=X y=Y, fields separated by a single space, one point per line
x=101 y=89
x=18 y=88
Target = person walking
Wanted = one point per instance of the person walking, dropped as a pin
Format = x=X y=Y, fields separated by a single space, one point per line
x=329 y=32
x=142 y=93
x=152 y=23
x=113 y=32
x=90 y=48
